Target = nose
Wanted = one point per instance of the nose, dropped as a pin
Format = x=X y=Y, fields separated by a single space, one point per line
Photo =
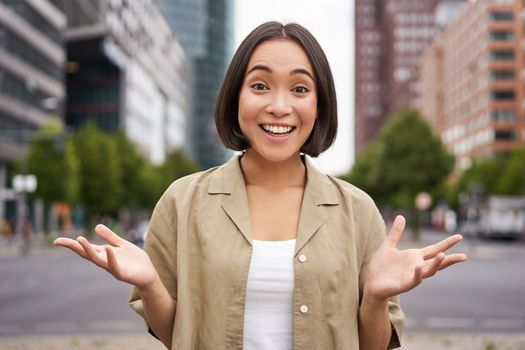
x=279 y=105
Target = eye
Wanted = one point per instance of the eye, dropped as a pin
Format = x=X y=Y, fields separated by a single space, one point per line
x=259 y=86
x=300 y=90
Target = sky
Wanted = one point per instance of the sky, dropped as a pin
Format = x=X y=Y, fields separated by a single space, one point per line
x=331 y=22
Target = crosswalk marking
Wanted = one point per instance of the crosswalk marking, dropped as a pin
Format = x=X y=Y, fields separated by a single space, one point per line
x=465 y=323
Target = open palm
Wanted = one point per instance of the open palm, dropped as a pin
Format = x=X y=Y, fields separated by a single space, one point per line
x=393 y=271
x=124 y=260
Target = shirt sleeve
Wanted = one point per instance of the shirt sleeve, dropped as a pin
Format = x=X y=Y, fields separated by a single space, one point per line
x=161 y=246
x=376 y=235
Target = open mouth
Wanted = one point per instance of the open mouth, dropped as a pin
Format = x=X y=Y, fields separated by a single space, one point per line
x=275 y=130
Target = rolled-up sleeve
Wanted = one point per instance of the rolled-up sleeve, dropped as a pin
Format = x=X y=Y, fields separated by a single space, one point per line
x=377 y=234
x=161 y=246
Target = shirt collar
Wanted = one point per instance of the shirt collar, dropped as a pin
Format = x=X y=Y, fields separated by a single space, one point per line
x=319 y=187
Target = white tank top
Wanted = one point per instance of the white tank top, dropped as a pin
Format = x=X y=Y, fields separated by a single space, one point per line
x=268 y=317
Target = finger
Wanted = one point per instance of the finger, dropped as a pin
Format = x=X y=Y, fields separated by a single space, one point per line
x=91 y=253
x=70 y=244
x=396 y=231
x=418 y=276
x=442 y=246
x=451 y=260
x=113 y=265
x=433 y=266
x=107 y=235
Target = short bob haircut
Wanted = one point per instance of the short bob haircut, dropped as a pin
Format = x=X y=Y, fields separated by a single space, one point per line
x=227 y=108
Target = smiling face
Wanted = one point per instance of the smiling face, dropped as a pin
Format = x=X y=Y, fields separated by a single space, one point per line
x=278 y=100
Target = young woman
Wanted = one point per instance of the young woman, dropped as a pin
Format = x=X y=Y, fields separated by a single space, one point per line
x=266 y=252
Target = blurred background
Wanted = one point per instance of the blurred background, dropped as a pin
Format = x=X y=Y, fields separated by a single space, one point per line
x=103 y=103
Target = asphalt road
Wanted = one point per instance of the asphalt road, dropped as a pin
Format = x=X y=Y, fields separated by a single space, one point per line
x=55 y=292
x=483 y=294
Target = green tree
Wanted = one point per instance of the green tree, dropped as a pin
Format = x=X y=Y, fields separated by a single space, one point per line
x=365 y=172
x=177 y=165
x=100 y=171
x=156 y=179
x=413 y=160
x=131 y=163
x=483 y=175
x=512 y=179
x=51 y=158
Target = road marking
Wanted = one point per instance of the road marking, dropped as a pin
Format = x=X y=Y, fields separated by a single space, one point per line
x=503 y=323
x=56 y=327
x=449 y=322
x=115 y=325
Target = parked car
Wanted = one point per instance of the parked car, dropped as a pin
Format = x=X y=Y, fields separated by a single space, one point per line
x=498 y=217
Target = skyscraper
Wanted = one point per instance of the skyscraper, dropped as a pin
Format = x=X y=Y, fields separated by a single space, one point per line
x=31 y=77
x=390 y=38
x=127 y=70
x=205 y=29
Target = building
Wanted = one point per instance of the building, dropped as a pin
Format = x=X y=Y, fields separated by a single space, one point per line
x=127 y=70
x=390 y=37
x=205 y=29
x=472 y=84
x=31 y=77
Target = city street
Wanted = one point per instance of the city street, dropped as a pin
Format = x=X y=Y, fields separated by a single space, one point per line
x=483 y=294
x=52 y=291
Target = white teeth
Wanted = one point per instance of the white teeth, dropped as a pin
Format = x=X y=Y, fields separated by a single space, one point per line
x=277 y=129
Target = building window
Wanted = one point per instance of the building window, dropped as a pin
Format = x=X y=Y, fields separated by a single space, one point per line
x=503 y=95
x=35 y=19
x=503 y=116
x=502 y=55
x=502 y=75
x=23 y=90
x=502 y=36
x=504 y=135
x=501 y=15
x=17 y=46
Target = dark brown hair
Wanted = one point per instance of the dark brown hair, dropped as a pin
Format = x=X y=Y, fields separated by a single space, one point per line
x=227 y=108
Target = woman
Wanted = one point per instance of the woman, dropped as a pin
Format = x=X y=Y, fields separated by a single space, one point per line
x=266 y=252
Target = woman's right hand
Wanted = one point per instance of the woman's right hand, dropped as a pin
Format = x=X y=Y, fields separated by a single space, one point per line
x=123 y=259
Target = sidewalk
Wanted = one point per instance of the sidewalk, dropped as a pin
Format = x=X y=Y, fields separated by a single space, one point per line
x=13 y=247
x=412 y=341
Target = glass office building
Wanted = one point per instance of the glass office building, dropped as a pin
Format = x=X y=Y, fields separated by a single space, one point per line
x=32 y=91
x=205 y=30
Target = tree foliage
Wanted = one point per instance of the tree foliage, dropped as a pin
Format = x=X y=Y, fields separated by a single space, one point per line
x=100 y=171
x=130 y=162
x=502 y=174
x=103 y=173
x=51 y=158
x=413 y=159
x=512 y=180
x=405 y=160
x=365 y=173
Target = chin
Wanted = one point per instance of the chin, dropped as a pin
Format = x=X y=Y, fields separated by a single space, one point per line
x=278 y=156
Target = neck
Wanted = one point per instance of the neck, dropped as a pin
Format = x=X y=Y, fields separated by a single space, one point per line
x=258 y=171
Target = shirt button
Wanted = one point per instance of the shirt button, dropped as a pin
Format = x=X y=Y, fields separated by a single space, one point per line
x=302 y=258
x=304 y=309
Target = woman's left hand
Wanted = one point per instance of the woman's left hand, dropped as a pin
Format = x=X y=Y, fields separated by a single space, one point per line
x=393 y=271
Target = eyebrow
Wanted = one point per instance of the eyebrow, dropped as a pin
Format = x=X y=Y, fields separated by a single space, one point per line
x=269 y=70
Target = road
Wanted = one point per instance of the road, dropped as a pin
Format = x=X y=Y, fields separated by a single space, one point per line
x=55 y=292
x=483 y=294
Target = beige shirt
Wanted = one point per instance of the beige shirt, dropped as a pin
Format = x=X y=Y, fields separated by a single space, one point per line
x=199 y=241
